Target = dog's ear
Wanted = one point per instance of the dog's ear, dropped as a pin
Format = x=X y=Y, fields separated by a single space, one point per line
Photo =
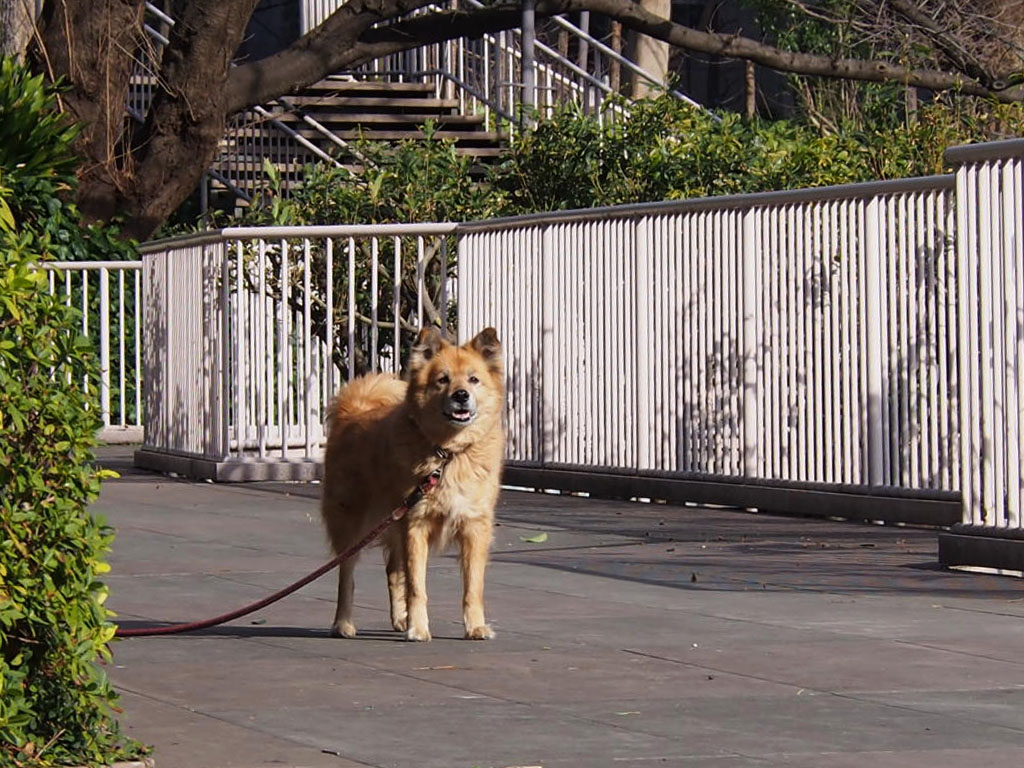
x=486 y=345
x=428 y=343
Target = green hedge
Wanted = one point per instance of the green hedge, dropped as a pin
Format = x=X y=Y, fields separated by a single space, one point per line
x=667 y=150
x=56 y=705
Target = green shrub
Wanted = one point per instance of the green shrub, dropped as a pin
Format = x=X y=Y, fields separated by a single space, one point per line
x=55 y=702
x=665 y=149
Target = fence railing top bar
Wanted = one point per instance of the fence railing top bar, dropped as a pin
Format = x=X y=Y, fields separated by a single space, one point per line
x=181 y=241
x=990 y=150
x=294 y=232
x=749 y=200
x=79 y=265
x=339 y=230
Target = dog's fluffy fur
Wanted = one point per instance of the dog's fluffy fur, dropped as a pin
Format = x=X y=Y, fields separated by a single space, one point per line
x=382 y=441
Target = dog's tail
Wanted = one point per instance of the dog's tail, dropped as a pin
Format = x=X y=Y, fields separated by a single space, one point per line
x=367 y=394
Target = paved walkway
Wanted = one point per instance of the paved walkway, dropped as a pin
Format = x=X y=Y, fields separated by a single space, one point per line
x=635 y=635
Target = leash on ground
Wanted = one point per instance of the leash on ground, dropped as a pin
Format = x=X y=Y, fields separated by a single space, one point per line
x=411 y=500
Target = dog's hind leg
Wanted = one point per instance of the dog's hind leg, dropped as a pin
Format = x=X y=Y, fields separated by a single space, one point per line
x=394 y=561
x=474 y=547
x=343 y=626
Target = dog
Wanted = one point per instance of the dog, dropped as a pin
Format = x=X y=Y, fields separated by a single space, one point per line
x=385 y=436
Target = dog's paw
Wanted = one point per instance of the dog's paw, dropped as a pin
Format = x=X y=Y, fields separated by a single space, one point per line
x=483 y=632
x=417 y=635
x=343 y=629
x=400 y=624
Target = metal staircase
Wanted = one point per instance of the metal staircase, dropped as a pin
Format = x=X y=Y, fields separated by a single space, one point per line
x=477 y=92
x=325 y=122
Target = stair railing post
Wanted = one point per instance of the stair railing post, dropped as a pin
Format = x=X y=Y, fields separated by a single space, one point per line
x=582 y=55
x=529 y=32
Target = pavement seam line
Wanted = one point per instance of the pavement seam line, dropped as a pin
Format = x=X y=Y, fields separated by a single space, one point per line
x=225 y=721
x=861 y=698
x=909 y=708
x=986 y=657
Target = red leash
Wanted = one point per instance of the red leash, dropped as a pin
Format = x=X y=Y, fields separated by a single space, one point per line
x=175 y=629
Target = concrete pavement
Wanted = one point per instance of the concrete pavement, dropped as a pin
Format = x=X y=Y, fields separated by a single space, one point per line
x=635 y=635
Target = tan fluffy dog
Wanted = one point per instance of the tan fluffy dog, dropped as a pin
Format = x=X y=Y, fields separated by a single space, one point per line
x=383 y=439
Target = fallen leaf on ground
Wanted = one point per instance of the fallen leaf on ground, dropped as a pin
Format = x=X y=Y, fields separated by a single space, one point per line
x=540 y=538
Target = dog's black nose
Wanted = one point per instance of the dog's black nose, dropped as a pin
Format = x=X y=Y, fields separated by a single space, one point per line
x=460 y=396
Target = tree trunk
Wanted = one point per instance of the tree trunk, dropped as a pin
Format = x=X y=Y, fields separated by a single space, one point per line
x=751 y=88
x=186 y=122
x=16 y=24
x=614 y=68
x=140 y=173
x=90 y=44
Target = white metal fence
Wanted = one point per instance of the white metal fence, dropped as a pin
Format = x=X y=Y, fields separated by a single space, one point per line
x=804 y=336
x=108 y=295
x=836 y=340
x=990 y=223
x=249 y=331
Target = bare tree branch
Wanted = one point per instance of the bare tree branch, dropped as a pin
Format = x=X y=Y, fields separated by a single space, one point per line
x=949 y=44
x=347 y=39
x=739 y=47
x=329 y=48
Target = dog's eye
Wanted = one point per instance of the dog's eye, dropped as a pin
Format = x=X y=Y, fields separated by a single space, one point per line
x=474 y=380
x=443 y=379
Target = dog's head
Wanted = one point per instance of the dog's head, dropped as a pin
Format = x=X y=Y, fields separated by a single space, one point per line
x=457 y=393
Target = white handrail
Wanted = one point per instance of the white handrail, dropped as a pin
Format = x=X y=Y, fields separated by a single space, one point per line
x=152 y=8
x=114 y=323
x=588 y=39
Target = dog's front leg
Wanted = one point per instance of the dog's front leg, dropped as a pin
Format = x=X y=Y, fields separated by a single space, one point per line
x=394 y=559
x=474 y=545
x=343 y=626
x=417 y=550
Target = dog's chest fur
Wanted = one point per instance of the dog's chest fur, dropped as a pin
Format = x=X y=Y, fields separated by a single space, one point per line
x=465 y=494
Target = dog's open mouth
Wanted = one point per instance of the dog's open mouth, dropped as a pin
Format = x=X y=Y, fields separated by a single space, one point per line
x=460 y=415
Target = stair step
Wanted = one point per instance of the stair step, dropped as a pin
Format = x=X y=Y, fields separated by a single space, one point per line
x=286 y=163
x=331 y=85
x=264 y=141
x=342 y=101
x=330 y=119
x=244 y=152
x=254 y=164
x=492 y=137
x=480 y=151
